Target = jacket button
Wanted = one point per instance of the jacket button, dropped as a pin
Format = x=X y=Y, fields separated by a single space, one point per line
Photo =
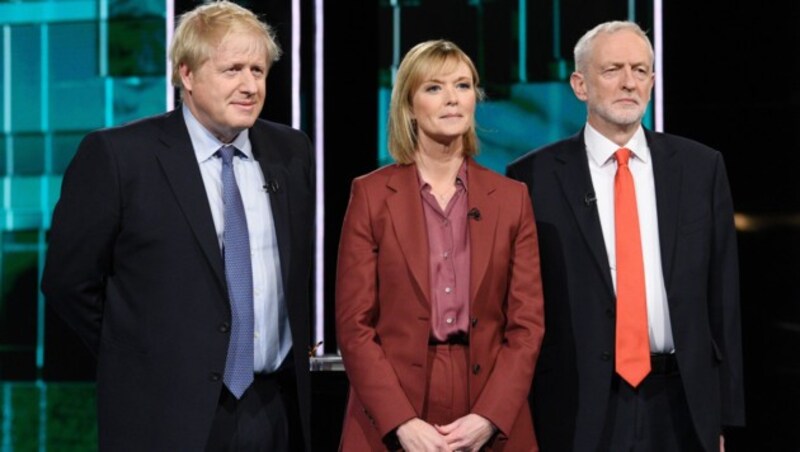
x=214 y=376
x=474 y=321
x=476 y=369
x=224 y=327
x=605 y=356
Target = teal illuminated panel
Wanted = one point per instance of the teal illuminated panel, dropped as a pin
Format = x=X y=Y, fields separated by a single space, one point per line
x=5 y=66
x=26 y=212
x=384 y=99
x=64 y=146
x=26 y=71
x=73 y=51
x=29 y=154
x=137 y=97
x=533 y=115
x=3 y=148
x=16 y=13
x=78 y=104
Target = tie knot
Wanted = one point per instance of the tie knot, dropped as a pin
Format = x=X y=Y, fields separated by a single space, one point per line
x=227 y=152
x=622 y=155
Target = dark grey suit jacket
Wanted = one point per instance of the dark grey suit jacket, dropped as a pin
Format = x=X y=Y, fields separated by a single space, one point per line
x=699 y=262
x=134 y=267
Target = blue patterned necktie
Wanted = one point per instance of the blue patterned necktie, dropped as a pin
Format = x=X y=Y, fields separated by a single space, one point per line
x=239 y=274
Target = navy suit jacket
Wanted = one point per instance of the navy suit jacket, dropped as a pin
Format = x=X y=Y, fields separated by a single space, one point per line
x=134 y=267
x=699 y=261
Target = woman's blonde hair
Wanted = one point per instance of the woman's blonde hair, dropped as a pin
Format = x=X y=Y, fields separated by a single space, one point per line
x=420 y=63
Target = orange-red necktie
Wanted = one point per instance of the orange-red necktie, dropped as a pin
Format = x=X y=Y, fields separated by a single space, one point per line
x=632 y=354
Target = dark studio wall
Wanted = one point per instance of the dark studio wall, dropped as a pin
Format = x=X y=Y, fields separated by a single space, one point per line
x=730 y=82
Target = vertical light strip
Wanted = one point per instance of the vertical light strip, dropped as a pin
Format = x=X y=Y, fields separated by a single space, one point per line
x=395 y=37
x=632 y=10
x=523 y=40
x=41 y=390
x=41 y=252
x=319 y=147
x=108 y=82
x=8 y=407
x=383 y=96
x=9 y=220
x=170 y=26
x=7 y=79
x=561 y=64
x=44 y=192
x=44 y=82
x=556 y=30
x=109 y=104
x=658 y=30
x=44 y=207
x=8 y=418
x=296 y=64
x=103 y=37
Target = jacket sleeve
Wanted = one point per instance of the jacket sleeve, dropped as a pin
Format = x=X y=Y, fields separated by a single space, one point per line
x=357 y=308
x=83 y=230
x=724 y=301
x=506 y=390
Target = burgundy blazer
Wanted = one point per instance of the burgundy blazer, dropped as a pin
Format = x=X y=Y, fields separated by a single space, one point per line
x=383 y=305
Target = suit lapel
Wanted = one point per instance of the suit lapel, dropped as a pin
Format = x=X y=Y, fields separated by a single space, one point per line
x=667 y=177
x=408 y=219
x=576 y=183
x=481 y=229
x=177 y=159
x=276 y=176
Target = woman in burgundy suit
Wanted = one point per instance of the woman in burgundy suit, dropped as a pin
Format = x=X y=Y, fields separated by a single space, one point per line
x=438 y=296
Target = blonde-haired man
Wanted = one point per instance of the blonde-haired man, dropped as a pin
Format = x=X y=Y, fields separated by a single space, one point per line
x=176 y=257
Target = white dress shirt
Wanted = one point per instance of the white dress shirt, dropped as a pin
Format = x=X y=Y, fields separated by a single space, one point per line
x=603 y=168
x=271 y=331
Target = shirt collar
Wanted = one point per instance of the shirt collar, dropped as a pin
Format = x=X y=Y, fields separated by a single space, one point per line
x=601 y=150
x=205 y=144
x=461 y=176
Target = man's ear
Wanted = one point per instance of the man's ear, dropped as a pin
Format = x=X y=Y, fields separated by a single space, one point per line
x=187 y=77
x=578 y=84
